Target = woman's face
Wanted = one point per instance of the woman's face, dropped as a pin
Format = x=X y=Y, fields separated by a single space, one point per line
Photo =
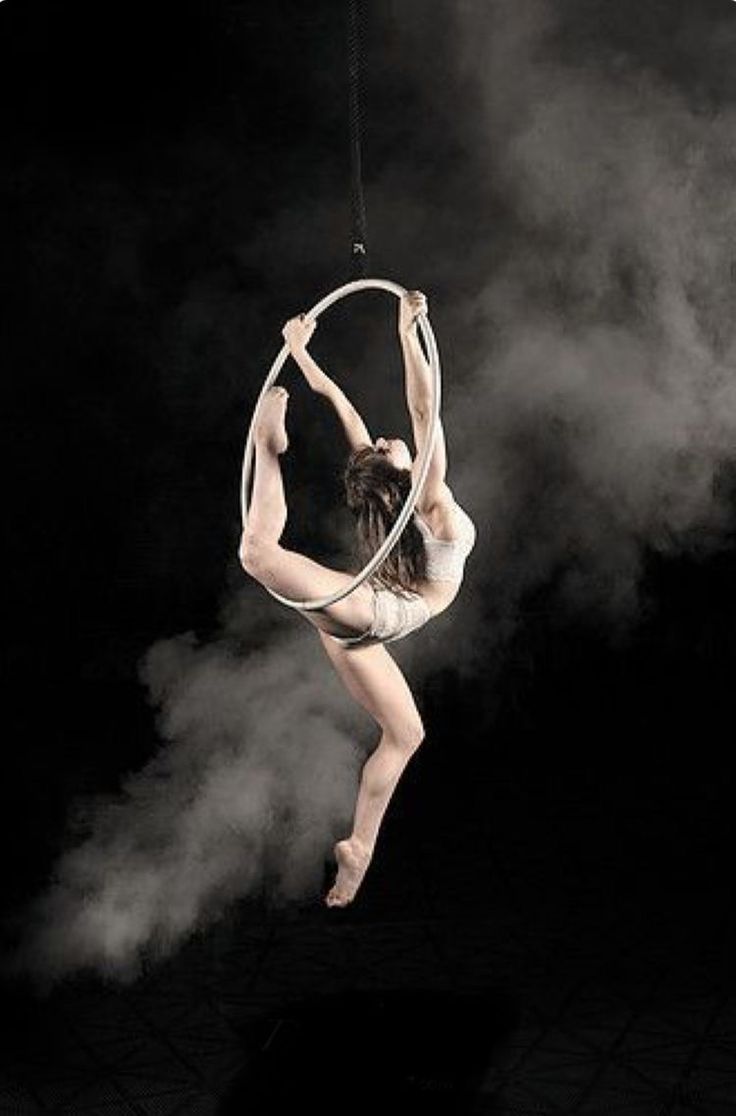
x=396 y=451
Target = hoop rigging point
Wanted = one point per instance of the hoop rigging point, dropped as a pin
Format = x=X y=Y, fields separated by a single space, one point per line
x=425 y=457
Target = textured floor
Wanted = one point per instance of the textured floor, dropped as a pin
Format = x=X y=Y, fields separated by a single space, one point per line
x=583 y=998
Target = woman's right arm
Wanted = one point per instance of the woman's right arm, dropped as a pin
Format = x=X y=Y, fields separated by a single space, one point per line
x=297 y=332
x=419 y=390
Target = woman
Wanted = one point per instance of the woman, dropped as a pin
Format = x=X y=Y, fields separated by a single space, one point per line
x=419 y=579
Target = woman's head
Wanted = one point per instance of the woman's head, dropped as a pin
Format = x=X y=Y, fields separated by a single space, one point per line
x=395 y=451
x=378 y=481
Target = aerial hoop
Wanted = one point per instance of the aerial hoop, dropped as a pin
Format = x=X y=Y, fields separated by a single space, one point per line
x=425 y=456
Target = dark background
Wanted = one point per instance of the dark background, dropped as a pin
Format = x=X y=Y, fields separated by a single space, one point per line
x=174 y=186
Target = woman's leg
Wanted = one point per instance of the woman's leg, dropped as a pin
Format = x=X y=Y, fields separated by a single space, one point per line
x=261 y=554
x=375 y=681
x=267 y=516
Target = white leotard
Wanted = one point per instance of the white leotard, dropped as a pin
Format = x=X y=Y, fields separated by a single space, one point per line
x=446 y=557
x=395 y=614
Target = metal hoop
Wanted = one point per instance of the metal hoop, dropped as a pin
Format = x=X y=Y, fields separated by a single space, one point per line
x=425 y=456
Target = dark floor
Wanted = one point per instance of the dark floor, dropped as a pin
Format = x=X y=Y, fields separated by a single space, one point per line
x=541 y=978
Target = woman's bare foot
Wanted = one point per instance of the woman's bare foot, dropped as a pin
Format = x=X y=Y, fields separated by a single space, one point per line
x=353 y=859
x=271 y=425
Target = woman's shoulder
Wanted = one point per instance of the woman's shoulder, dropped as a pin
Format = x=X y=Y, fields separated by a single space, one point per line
x=441 y=515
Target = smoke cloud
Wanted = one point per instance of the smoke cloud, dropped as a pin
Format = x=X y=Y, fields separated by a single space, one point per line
x=252 y=781
x=592 y=417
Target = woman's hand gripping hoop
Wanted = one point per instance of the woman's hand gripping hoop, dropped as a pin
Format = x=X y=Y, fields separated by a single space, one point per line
x=425 y=457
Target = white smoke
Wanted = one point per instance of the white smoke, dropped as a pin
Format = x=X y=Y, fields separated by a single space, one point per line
x=252 y=782
x=595 y=417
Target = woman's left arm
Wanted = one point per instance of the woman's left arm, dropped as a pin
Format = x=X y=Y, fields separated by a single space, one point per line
x=297 y=333
x=418 y=379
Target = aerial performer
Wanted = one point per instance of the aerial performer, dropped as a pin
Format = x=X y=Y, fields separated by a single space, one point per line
x=419 y=578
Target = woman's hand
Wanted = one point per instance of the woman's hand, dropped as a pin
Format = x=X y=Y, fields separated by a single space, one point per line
x=298 y=331
x=411 y=305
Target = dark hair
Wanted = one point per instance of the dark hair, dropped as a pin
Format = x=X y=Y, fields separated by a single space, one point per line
x=376 y=492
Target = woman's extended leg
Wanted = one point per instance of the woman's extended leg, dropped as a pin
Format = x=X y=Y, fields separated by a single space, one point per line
x=261 y=553
x=376 y=682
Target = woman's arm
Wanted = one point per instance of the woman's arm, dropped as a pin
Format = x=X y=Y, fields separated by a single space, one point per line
x=297 y=332
x=418 y=380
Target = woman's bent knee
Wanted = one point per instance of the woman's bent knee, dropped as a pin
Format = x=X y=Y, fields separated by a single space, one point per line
x=408 y=736
x=256 y=555
x=416 y=736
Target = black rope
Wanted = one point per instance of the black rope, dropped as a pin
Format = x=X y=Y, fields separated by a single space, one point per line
x=359 y=233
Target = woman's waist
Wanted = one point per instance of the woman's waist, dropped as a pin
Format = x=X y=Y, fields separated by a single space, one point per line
x=438 y=595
